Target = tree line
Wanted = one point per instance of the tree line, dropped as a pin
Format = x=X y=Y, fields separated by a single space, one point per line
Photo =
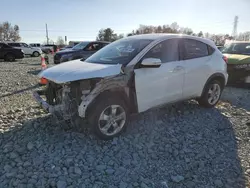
x=11 y=33
x=109 y=35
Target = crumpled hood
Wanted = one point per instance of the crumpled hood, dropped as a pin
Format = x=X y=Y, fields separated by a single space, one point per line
x=238 y=59
x=79 y=70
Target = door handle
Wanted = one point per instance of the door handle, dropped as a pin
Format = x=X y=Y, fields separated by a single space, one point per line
x=177 y=68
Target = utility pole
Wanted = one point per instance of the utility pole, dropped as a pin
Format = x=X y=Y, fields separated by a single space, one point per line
x=234 y=33
x=47 y=36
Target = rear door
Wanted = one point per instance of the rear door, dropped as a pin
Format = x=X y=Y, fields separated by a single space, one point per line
x=15 y=45
x=196 y=59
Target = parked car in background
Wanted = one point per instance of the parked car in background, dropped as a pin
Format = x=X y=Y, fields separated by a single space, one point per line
x=238 y=55
x=65 y=48
x=45 y=49
x=73 y=43
x=132 y=75
x=81 y=50
x=9 y=53
x=28 y=50
x=52 y=47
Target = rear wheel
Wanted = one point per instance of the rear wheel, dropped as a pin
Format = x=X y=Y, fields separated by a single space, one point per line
x=211 y=94
x=108 y=118
x=9 y=57
x=35 y=54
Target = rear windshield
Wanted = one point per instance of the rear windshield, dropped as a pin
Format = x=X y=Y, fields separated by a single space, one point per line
x=237 y=48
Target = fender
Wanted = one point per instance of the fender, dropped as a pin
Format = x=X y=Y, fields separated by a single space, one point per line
x=218 y=76
x=104 y=86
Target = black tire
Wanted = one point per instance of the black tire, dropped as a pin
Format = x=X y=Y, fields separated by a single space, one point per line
x=9 y=57
x=204 y=99
x=95 y=111
x=35 y=54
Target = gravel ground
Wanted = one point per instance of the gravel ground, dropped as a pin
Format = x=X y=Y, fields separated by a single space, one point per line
x=182 y=145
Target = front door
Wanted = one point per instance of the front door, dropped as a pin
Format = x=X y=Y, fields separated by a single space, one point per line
x=157 y=86
x=26 y=48
x=90 y=49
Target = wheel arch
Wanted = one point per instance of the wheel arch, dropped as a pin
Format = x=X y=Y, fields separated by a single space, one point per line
x=216 y=76
x=9 y=53
x=110 y=93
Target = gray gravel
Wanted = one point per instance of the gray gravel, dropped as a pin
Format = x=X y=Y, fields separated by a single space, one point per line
x=182 y=145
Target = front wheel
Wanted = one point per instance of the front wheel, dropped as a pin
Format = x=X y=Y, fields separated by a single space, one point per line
x=9 y=57
x=108 y=118
x=211 y=94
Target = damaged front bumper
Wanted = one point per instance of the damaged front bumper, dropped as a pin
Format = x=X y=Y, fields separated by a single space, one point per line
x=41 y=102
x=61 y=111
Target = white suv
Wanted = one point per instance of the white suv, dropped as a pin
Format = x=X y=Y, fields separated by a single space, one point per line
x=28 y=50
x=132 y=75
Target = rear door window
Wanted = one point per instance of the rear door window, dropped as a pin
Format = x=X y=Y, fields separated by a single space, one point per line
x=194 y=49
x=94 y=46
x=14 y=44
x=24 y=45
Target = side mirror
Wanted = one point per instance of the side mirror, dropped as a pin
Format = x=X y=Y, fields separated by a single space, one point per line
x=151 y=63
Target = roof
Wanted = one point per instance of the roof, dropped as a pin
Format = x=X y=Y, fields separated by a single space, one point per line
x=161 y=36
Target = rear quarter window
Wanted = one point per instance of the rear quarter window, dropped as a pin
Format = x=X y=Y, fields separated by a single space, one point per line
x=194 y=49
x=210 y=50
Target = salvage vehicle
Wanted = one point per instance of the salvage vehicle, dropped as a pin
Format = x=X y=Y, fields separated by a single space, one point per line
x=132 y=75
x=238 y=55
x=28 y=50
x=9 y=53
x=79 y=51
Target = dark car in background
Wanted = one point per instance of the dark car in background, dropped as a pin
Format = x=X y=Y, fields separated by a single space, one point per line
x=9 y=53
x=66 y=47
x=52 y=46
x=79 y=51
x=238 y=67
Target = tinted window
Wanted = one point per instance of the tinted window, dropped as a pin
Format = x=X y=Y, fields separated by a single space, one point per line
x=119 y=52
x=80 y=46
x=166 y=51
x=14 y=44
x=210 y=49
x=194 y=49
x=94 y=47
x=24 y=45
x=237 y=48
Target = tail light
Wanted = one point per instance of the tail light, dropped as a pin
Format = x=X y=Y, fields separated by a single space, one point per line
x=225 y=59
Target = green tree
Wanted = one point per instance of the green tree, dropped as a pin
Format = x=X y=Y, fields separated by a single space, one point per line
x=200 y=34
x=108 y=35
x=8 y=32
x=60 y=42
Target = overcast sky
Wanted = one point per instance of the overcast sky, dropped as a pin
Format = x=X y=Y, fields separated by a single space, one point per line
x=82 y=19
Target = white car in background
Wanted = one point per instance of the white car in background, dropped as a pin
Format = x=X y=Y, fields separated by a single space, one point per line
x=132 y=75
x=28 y=50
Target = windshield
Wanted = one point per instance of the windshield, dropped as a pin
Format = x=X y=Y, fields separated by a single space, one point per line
x=80 y=46
x=119 y=52
x=237 y=48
